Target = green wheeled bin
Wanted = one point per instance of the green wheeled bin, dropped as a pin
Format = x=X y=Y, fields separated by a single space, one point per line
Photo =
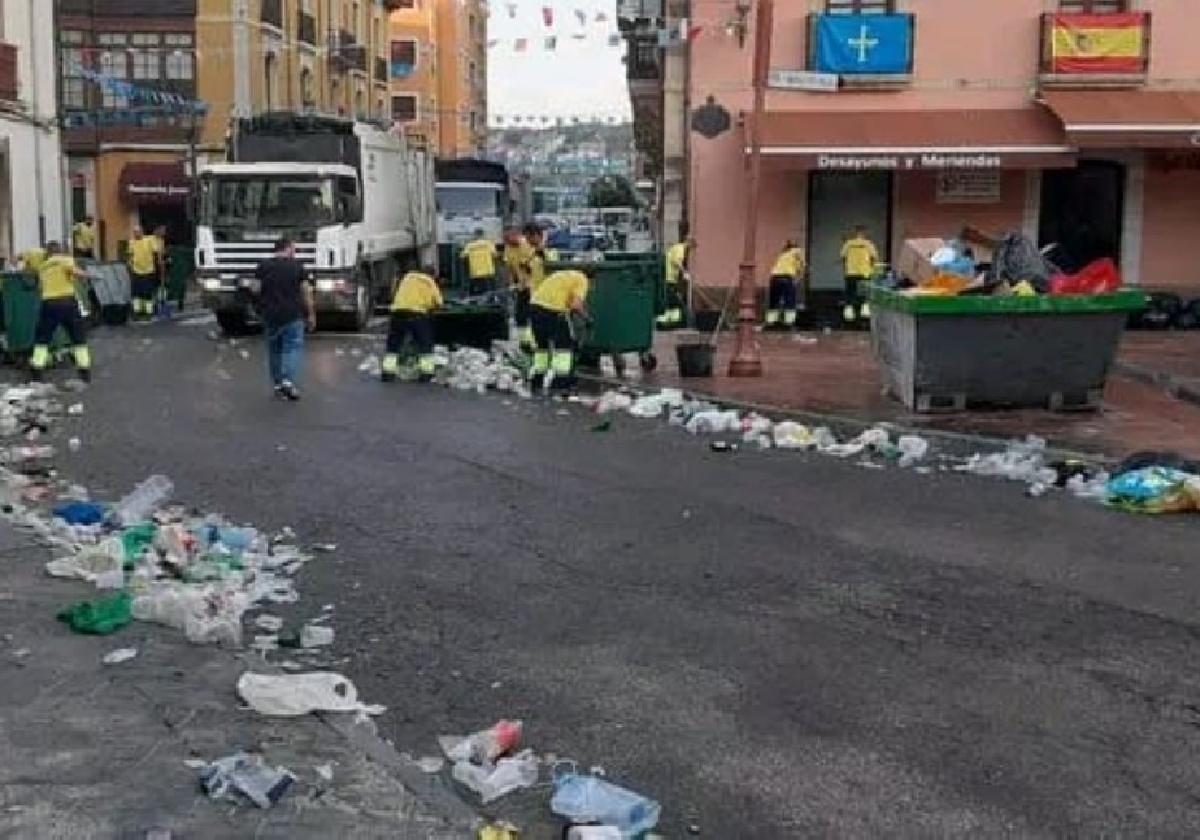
x=1049 y=351
x=622 y=302
x=22 y=306
x=181 y=268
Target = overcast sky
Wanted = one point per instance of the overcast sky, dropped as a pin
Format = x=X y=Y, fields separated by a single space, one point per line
x=580 y=77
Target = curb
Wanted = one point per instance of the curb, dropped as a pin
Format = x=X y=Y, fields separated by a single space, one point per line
x=1187 y=390
x=961 y=444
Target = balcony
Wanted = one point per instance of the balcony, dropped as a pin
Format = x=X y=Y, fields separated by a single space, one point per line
x=1095 y=50
x=345 y=53
x=272 y=13
x=306 y=29
x=10 y=88
x=863 y=51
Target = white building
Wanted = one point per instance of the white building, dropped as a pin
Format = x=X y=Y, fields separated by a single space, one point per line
x=32 y=194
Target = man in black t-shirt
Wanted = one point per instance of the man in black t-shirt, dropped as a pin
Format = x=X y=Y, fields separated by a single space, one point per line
x=285 y=302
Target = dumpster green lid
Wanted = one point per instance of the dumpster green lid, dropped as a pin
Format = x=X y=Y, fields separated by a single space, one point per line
x=1125 y=300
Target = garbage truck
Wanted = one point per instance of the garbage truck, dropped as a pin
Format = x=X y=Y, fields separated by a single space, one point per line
x=355 y=198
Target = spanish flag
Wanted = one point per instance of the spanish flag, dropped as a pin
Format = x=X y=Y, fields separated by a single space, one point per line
x=1083 y=43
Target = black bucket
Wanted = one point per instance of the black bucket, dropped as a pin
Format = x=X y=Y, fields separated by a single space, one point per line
x=695 y=359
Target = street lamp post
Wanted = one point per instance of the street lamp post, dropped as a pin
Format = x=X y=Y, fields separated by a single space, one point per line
x=747 y=360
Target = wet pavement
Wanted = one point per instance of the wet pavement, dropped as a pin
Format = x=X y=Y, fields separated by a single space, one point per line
x=835 y=373
x=772 y=644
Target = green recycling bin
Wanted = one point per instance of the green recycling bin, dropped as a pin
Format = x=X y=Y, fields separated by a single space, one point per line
x=622 y=302
x=22 y=306
x=181 y=267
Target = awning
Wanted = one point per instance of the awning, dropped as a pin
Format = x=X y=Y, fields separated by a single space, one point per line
x=155 y=182
x=1018 y=138
x=1147 y=119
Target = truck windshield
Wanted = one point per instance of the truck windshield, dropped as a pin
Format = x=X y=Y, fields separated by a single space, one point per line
x=468 y=201
x=269 y=202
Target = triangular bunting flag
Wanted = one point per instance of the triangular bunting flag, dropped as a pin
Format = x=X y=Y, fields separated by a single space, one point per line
x=520 y=44
x=512 y=10
x=551 y=43
x=582 y=15
x=601 y=17
x=547 y=15
x=614 y=40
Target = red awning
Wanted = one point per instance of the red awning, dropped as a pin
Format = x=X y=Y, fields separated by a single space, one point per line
x=1016 y=138
x=1147 y=119
x=155 y=182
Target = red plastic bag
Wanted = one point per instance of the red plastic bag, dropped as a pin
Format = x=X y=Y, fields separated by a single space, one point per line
x=1095 y=278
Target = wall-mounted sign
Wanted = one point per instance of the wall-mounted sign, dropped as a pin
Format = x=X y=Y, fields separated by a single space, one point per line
x=968 y=186
x=803 y=80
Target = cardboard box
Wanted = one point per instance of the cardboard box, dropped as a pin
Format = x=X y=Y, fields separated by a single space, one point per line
x=914 y=259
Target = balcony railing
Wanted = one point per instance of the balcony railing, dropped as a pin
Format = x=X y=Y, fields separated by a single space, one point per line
x=1094 y=49
x=306 y=28
x=345 y=53
x=272 y=13
x=643 y=63
x=10 y=88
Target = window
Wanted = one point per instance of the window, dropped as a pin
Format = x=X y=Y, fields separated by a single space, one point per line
x=859 y=7
x=407 y=4
x=1094 y=7
x=146 y=60
x=306 y=88
x=404 y=108
x=72 y=59
x=114 y=63
x=404 y=58
x=354 y=28
x=181 y=61
x=269 y=82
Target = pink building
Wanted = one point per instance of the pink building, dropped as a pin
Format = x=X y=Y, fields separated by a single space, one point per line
x=1075 y=121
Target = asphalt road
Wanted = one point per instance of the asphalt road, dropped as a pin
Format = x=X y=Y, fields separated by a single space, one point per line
x=773 y=645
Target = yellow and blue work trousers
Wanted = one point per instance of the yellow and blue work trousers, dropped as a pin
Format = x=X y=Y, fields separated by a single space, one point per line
x=144 y=290
x=409 y=325
x=555 y=346
x=60 y=312
x=674 y=312
x=781 y=302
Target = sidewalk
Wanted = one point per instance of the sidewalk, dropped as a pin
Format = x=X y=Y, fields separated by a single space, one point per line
x=835 y=374
x=98 y=751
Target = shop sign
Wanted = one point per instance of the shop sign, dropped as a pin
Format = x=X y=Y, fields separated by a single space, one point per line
x=920 y=161
x=803 y=80
x=157 y=191
x=979 y=186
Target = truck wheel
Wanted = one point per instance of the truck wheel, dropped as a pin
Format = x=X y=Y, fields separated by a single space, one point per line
x=233 y=324
x=362 y=308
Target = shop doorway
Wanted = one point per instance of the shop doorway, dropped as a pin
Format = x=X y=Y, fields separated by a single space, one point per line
x=837 y=202
x=1081 y=213
x=180 y=230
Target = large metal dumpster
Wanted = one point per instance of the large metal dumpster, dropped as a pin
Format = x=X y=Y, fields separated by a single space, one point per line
x=946 y=353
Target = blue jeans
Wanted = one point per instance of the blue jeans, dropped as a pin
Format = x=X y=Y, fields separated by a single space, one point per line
x=285 y=349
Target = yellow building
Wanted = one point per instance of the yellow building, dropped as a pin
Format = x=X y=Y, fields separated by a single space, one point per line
x=438 y=58
x=328 y=56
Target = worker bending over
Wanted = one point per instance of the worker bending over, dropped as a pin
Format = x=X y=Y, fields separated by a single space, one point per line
x=561 y=295
x=480 y=255
x=60 y=308
x=416 y=296
x=781 y=294
x=674 y=313
x=144 y=263
x=859 y=258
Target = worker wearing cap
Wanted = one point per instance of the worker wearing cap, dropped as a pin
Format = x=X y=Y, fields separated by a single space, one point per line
x=60 y=308
x=480 y=256
x=560 y=295
x=781 y=293
x=517 y=253
x=143 y=262
x=416 y=296
x=859 y=258
x=32 y=259
x=676 y=278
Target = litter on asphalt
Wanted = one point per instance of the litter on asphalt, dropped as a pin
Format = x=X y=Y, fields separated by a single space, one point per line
x=292 y=695
x=247 y=775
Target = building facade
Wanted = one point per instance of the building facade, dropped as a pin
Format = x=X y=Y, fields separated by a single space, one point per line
x=130 y=157
x=1074 y=121
x=32 y=196
x=438 y=60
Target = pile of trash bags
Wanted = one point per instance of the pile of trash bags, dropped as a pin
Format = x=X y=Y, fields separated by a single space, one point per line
x=471 y=369
x=1155 y=482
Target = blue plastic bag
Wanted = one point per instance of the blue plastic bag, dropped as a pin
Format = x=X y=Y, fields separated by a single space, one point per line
x=586 y=799
x=81 y=513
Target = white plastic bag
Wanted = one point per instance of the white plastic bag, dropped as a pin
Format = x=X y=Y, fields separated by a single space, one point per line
x=492 y=782
x=292 y=695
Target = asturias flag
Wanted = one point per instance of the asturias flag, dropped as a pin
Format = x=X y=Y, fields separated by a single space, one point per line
x=1098 y=43
x=863 y=44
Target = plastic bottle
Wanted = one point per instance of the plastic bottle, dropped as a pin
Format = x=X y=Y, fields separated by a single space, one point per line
x=146 y=498
x=587 y=799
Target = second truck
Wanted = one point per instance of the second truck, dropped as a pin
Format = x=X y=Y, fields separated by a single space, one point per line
x=356 y=199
